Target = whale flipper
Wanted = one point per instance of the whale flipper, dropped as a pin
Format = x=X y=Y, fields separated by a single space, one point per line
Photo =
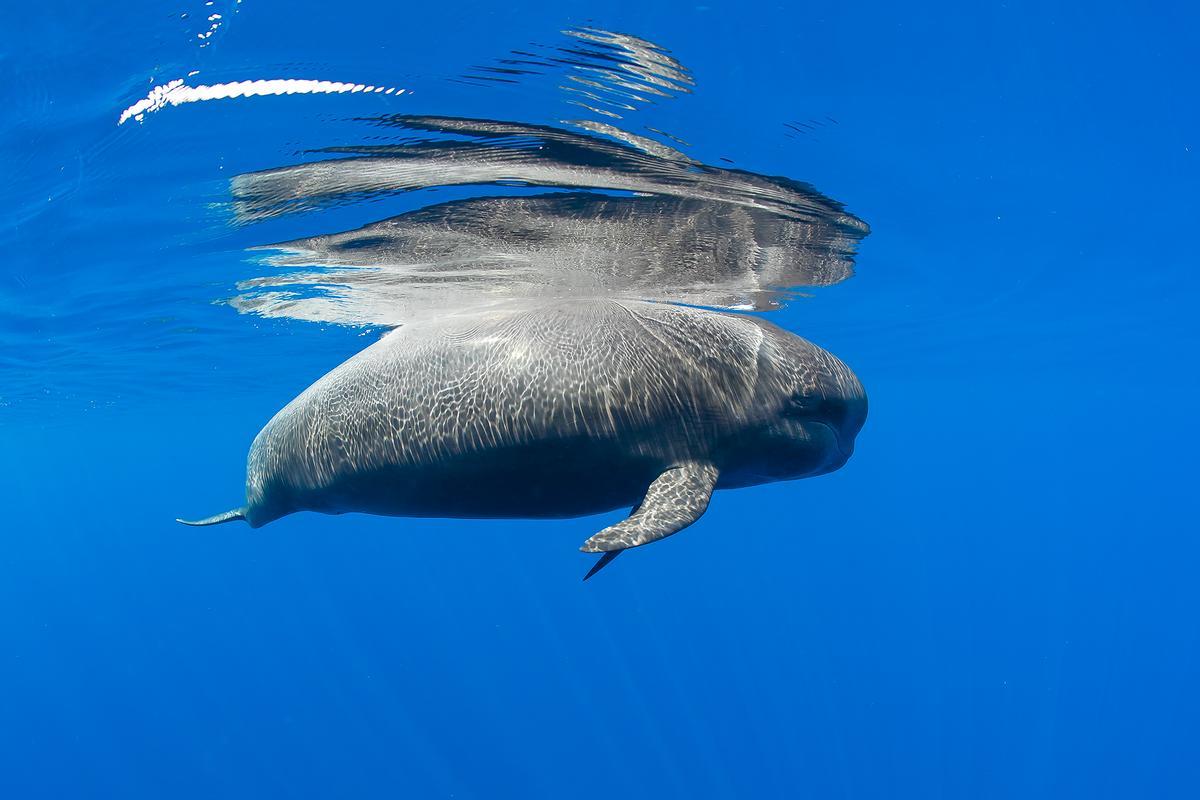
x=602 y=562
x=676 y=499
x=216 y=519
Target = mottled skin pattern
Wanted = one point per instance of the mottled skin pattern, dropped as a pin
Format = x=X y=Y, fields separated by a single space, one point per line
x=675 y=500
x=557 y=410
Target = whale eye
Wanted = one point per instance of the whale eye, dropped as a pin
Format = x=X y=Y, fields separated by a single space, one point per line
x=799 y=405
x=829 y=410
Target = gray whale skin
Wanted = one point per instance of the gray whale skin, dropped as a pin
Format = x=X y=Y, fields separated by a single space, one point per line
x=551 y=410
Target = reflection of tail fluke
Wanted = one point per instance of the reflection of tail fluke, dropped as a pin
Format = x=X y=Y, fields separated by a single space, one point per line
x=602 y=562
x=216 y=519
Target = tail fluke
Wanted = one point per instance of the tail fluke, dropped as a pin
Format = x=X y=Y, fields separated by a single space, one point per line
x=216 y=519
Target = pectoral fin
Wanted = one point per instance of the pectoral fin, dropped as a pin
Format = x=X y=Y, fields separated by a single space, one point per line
x=602 y=562
x=676 y=499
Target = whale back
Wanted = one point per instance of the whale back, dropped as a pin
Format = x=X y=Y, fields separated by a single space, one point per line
x=660 y=382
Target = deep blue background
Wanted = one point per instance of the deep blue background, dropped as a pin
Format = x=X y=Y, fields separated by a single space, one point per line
x=996 y=597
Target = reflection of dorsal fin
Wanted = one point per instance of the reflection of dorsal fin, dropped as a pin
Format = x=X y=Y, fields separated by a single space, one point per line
x=647 y=146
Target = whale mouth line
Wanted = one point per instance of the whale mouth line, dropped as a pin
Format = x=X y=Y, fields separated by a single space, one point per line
x=843 y=450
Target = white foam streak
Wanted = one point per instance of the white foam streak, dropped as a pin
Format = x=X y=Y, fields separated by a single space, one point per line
x=176 y=93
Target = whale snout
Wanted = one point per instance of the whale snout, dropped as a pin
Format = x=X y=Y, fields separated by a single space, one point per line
x=824 y=411
x=853 y=417
x=841 y=446
x=841 y=413
x=844 y=404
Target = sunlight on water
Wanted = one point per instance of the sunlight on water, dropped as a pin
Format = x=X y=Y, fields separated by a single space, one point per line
x=176 y=93
x=607 y=206
x=607 y=73
x=654 y=223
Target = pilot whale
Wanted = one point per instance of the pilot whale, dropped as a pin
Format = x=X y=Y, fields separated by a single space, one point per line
x=558 y=409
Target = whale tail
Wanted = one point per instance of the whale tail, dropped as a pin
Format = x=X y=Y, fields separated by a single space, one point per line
x=216 y=519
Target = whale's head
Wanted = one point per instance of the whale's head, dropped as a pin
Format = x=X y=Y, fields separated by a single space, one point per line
x=812 y=406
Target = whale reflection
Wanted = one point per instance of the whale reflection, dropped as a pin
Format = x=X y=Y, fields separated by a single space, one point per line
x=607 y=73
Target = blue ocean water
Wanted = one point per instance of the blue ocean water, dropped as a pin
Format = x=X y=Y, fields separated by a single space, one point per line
x=995 y=597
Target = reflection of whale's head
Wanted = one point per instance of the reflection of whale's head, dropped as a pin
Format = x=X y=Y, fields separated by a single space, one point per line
x=814 y=408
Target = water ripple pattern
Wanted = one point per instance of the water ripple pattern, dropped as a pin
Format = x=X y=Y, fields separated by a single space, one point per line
x=576 y=193
x=639 y=220
x=608 y=73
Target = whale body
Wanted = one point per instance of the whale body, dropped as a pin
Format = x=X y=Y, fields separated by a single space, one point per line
x=558 y=409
